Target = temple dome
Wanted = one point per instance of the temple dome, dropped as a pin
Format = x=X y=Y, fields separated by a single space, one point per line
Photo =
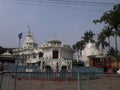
x=7 y=54
x=89 y=45
x=54 y=41
x=88 y=51
x=29 y=41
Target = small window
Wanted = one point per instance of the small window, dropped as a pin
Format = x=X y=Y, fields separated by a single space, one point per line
x=55 y=54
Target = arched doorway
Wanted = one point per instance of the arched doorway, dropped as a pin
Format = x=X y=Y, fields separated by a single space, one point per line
x=48 y=68
x=64 y=68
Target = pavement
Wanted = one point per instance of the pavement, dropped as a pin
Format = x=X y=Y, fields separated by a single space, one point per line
x=105 y=82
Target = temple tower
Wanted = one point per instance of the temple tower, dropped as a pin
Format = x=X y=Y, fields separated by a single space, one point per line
x=29 y=42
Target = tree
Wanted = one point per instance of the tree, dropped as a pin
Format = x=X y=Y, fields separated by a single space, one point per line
x=79 y=45
x=101 y=41
x=88 y=36
x=112 y=18
x=114 y=55
x=107 y=31
x=1 y=50
x=112 y=52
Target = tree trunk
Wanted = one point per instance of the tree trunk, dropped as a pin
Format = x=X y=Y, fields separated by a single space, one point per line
x=116 y=41
x=102 y=48
x=109 y=42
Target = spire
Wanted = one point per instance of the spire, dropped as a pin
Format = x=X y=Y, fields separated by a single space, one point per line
x=45 y=40
x=89 y=41
x=29 y=30
x=29 y=40
x=54 y=36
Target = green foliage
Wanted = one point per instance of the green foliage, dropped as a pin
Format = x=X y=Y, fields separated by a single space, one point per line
x=79 y=45
x=112 y=19
x=1 y=50
x=112 y=52
x=101 y=41
x=107 y=31
x=88 y=36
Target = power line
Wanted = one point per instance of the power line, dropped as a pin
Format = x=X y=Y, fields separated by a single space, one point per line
x=81 y=2
x=70 y=2
x=74 y=4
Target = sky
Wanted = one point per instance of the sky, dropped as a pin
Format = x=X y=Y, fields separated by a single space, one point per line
x=67 y=21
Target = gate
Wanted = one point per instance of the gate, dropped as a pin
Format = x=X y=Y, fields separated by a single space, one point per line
x=57 y=81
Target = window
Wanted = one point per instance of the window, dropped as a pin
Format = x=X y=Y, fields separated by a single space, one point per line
x=55 y=54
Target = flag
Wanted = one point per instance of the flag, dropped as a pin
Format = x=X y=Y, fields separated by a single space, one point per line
x=20 y=35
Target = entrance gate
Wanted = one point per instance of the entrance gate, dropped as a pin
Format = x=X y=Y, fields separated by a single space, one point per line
x=46 y=80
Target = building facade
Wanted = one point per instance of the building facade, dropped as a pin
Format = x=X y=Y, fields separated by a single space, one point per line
x=57 y=56
x=29 y=52
x=89 y=50
x=53 y=55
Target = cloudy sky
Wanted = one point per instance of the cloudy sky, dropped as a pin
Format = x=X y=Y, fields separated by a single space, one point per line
x=67 y=20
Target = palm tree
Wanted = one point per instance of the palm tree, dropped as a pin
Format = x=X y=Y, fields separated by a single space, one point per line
x=116 y=34
x=115 y=22
x=79 y=45
x=88 y=36
x=108 y=32
x=112 y=18
x=112 y=52
x=114 y=55
x=101 y=41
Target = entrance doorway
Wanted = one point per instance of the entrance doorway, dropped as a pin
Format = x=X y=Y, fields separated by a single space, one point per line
x=48 y=68
x=64 y=68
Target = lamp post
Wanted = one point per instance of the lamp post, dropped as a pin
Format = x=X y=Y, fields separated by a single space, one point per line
x=1 y=79
x=19 y=37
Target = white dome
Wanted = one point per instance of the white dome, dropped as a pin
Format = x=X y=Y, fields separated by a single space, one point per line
x=89 y=45
x=29 y=41
x=28 y=52
x=88 y=51
x=37 y=50
x=44 y=45
x=7 y=54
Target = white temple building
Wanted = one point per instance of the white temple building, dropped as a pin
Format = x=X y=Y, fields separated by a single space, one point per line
x=57 y=56
x=88 y=51
x=29 y=52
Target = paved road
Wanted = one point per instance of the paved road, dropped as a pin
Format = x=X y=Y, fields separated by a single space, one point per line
x=106 y=82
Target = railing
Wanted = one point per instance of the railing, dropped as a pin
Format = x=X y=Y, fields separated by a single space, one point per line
x=59 y=81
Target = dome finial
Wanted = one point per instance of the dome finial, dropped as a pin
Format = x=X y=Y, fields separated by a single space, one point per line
x=54 y=36
x=89 y=41
x=29 y=29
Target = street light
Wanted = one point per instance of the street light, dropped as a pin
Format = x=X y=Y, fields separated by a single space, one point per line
x=19 y=37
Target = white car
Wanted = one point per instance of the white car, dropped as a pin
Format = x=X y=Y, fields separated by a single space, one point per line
x=118 y=71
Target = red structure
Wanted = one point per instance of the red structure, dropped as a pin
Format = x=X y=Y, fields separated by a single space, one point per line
x=100 y=61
